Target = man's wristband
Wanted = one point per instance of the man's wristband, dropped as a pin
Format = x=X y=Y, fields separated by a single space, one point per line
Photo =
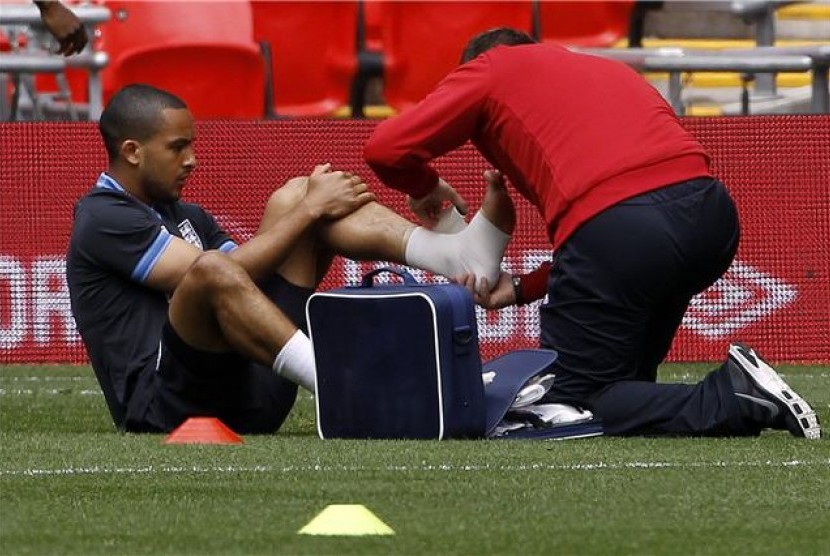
x=517 y=290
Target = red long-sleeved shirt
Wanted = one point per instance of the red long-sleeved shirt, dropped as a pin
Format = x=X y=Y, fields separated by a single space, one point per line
x=575 y=133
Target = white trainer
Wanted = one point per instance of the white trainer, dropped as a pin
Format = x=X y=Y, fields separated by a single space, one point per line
x=764 y=388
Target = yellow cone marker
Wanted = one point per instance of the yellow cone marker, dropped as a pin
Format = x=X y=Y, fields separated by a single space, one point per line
x=346 y=519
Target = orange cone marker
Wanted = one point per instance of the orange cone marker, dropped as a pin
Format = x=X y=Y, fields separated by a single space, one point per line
x=203 y=430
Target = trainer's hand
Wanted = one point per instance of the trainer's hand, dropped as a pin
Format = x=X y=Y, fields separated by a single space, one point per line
x=428 y=208
x=495 y=179
x=64 y=26
x=335 y=194
x=498 y=207
x=498 y=297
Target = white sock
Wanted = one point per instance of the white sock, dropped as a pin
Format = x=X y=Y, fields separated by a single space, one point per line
x=477 y=249
x=450 y=221
x=295 y=361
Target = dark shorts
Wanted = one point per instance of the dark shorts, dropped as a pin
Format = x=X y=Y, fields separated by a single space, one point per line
x=619 y=286
x=248 y=397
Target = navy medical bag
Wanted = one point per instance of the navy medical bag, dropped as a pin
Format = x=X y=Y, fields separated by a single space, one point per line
x=397 y=360
x=402 y=361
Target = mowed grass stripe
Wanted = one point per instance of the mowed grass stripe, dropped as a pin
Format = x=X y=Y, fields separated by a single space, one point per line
x=69 y=484
x=443 y=468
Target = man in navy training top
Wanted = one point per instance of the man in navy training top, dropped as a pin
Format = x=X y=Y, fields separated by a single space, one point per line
x=637 y=222
x=179 y=320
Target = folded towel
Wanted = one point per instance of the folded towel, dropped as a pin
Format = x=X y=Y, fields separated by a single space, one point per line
x=550 y=414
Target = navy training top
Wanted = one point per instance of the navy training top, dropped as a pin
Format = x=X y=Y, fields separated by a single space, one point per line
x=116 y=242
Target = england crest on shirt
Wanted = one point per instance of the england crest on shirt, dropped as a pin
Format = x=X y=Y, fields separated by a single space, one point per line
x=189 y=234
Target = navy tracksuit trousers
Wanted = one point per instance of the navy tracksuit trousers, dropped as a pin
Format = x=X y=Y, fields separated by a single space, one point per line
x=617 y=292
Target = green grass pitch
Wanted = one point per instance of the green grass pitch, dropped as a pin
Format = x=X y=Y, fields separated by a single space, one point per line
x=69 y=484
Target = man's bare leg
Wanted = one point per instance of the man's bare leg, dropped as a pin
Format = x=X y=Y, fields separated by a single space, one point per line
x=307 y=263
x=375 y=232
x=218 y=308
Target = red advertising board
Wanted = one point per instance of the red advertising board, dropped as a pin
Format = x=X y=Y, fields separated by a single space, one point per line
x=776 y=296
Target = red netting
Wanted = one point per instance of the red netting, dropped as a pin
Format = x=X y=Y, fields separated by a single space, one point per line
x=776 y=296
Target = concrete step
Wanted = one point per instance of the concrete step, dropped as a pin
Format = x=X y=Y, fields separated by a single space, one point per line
x=716 y=102
x=679 y=19
x=370 y=111
x=818 y=11
x=804 y=21
x=715 y=80
x=716 y=43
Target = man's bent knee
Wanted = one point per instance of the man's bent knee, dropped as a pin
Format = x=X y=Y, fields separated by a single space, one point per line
x=215 y=270
x=286 y=197
x=213 y=281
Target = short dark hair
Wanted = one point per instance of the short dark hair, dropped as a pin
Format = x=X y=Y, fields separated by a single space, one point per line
x=483 y=42
x=133 y=113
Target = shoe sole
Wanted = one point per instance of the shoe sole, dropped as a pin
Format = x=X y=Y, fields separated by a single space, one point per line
x=769 y=381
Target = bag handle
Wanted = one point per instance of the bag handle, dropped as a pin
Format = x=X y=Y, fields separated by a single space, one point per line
x=368 y=278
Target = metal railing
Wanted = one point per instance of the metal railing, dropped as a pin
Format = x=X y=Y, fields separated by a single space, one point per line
x=759 y=61
x=676 y=61
x=23 y=64
x=759 y=13
x=820 y=59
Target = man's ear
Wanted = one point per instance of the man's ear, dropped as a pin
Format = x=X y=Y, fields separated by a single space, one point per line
x=131 y=151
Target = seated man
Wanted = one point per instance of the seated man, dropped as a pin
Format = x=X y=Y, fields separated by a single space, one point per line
x=181 y=321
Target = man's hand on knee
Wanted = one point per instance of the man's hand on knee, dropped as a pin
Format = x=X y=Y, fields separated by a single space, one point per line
x=335 y=194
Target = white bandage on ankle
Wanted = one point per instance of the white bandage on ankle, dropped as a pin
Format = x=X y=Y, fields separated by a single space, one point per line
x=477 y=249
x=450 y=221
x=295 y=361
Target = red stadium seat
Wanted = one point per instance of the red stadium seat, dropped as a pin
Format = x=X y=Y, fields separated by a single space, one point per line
x=313 y=52
x=76 y=79
x=5 y=42
x=373 y=19
x=423 y=41
x=586 y=24
x=203 y=52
